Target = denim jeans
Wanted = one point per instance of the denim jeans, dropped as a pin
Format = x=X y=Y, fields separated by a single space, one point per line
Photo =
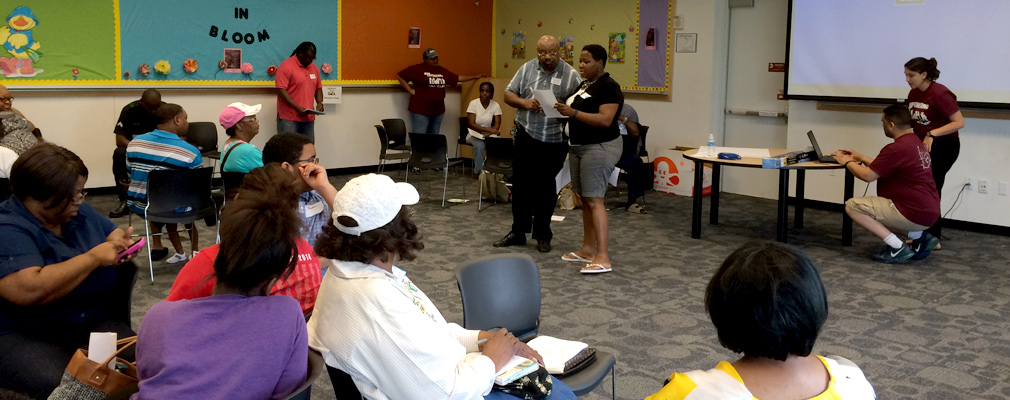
x=478 y=152
x=306 y=129
x=425 y=123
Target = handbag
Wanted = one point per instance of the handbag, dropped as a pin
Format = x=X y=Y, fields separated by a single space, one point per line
x=86 y=380
x=536 y=385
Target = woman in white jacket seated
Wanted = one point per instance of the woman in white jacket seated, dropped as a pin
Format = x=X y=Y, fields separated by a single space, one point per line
x=373 y=323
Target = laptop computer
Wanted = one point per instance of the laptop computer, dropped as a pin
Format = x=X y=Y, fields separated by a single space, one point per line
x=824 y=158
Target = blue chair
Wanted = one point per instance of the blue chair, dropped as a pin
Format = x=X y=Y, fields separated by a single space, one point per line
x=503 y=290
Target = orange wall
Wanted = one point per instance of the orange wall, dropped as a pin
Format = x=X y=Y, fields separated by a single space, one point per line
x=374 y=43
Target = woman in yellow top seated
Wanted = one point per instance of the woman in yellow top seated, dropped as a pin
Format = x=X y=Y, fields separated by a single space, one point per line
x=767 y=302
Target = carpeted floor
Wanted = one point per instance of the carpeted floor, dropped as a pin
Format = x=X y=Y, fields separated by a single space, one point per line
x=934 y=329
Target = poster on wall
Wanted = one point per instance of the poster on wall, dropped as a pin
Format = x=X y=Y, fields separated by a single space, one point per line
x=519 y=44
x=46 y=42
x=414 y=38
x=650 y=39
x=616 y=48
x=266 y=32
x=567 y=45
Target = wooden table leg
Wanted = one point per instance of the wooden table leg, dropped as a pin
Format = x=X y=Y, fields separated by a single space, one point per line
x=846 y=221
x=713 y=211
x=699 y=174
x=801 y=179
x=781 y=230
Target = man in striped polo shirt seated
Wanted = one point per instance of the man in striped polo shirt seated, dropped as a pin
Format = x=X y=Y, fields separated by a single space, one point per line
x=163 y=148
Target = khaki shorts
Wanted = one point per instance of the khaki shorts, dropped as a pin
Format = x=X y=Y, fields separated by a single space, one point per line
x=883 y=210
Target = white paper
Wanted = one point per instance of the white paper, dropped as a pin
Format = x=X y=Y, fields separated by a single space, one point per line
x=547 y=101
x=557 y=218
x=332 y=94
x=101 y=346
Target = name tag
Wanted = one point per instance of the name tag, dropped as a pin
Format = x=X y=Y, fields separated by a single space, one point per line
x=555 y=81
x=585 y=95
x=313 y=209
x=312 y=76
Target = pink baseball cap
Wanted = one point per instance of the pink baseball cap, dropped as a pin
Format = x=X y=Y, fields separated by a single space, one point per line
x=234 y=113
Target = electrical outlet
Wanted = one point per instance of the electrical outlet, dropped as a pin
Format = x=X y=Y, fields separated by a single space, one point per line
x=1004 y=187
x=967 y=182
x=983 y=186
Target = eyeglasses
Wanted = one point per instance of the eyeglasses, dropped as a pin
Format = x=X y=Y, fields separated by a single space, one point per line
x=6 y=99
x=314 y=160
x=547 y=53
x=79 y=196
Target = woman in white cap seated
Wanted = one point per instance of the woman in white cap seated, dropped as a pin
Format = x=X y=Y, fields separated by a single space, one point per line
x=373 y=323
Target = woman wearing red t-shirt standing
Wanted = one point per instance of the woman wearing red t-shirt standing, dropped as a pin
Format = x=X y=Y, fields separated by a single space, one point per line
x=936 y=117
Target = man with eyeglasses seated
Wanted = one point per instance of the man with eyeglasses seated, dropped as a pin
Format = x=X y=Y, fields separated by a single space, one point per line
x=540 y=144
x=297 y=155
x=17 y=133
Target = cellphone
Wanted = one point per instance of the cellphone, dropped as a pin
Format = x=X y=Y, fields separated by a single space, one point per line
x=135 y=247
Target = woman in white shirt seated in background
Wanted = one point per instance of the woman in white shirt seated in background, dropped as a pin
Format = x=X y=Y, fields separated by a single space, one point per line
x=483 y=120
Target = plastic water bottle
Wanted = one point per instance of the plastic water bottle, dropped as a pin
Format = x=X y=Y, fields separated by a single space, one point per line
x=711 y=145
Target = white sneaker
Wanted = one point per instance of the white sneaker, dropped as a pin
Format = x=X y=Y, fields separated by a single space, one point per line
x=177 y=258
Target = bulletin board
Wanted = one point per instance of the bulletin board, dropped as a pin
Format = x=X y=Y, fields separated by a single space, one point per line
x=638 y=61
x=180 y=43
x=374 y=46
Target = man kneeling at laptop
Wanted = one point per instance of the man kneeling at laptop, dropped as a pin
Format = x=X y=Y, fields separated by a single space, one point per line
x=907 y=201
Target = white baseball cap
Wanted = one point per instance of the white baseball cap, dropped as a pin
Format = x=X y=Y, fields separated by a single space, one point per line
x=373 y=201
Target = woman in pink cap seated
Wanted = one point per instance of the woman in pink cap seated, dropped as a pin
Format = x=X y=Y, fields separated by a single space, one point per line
x=240 y=124
x=373 y=323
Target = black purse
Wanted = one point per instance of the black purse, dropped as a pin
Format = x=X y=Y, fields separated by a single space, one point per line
x=536 y=385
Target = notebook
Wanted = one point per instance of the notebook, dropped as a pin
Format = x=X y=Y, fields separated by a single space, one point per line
x=827 y=159
x=559 y=354
x=516 y=368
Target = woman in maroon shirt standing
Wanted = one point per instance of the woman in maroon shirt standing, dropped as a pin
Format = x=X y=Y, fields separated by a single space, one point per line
x=936 y=120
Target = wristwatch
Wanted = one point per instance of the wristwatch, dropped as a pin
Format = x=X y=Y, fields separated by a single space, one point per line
x=930 y=134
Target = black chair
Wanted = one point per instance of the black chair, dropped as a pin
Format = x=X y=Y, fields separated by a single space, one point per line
x=343 y=385
x=177 y=189
x=500 y=152
x=231 y=181
x=464 y=131
x=316 y=365
x=503 y=290
x=428 y=151
x=642 y=150
x=396 y=132
x=402 y=151
x=203 y=135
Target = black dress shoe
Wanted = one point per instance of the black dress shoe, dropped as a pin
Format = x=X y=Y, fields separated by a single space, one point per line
x=544 y=246
x=158 y=254
x=511 y=239
x=119 y=211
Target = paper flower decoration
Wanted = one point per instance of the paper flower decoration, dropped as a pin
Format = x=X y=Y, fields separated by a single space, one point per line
x=126 y=74
x=162 y=67
x=75 y=71
x=221 y=64
x=190 y=65
x=327 y=68
x=272 y=70
x=144 y=69
x=247 y=68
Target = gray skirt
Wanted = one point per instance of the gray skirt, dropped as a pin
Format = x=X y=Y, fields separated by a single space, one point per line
x=592 y=164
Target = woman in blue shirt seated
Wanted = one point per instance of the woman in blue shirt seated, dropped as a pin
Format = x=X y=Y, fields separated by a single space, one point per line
x=59 y=279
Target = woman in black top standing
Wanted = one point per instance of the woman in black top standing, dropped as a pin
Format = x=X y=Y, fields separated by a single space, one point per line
x=596 y=147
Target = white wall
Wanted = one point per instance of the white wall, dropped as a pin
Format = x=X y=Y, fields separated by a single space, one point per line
x=345 y=136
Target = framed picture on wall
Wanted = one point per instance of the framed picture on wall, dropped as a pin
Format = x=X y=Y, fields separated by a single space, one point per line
x=687 y=43
x=414 y=38
x=232 y=60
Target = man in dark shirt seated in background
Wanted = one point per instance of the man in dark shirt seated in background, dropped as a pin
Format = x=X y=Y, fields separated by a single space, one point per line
x=137 y=118
x=639 y=174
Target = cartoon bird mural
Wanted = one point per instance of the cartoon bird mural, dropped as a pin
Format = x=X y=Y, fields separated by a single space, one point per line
x=18 y=41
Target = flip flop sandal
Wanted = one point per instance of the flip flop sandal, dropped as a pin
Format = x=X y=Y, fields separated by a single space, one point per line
x=574 y=258
x=595 y=269
x=636 y=209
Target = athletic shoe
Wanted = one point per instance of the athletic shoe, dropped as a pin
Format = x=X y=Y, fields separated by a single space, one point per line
x=891 y=255
x=177 y=258
x=924 y=245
